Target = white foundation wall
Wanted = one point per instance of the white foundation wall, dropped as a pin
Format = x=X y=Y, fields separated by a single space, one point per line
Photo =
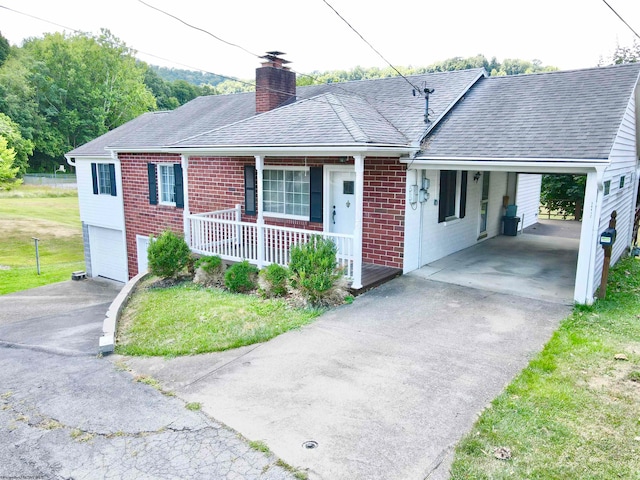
x=528 y=198
x=426 y=240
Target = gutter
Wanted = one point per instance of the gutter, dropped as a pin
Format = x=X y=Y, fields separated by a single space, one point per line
x=527 y=165
x=276 y=150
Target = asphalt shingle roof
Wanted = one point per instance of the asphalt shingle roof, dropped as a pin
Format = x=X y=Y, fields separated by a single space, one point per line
x=368 y=111
x=562 y=115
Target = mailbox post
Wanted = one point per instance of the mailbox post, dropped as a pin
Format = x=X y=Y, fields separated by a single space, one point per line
x=607 y=239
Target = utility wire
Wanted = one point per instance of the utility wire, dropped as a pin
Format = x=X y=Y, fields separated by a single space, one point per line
x=198 y=28
x=623 y=20
x=226 y=77
x=370 y=46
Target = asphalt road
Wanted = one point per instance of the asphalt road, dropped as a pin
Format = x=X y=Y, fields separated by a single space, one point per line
x=67 y=413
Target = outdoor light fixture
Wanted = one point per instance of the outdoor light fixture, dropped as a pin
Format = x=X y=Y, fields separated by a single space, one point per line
x=476 y=177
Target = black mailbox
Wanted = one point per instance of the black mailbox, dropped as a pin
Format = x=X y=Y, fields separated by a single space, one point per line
x=608 y=237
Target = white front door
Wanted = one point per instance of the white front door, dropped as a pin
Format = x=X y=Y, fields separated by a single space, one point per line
x=342 y=201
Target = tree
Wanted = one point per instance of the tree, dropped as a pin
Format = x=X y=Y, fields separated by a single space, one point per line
x=5 y=48
x=626 y=54
x=21 y=146
x=564 y=193
x=7 y=171
x=83 y=86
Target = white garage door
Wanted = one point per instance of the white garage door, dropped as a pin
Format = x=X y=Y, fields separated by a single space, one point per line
x=108 y=253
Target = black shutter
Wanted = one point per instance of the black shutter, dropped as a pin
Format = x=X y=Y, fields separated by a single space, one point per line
x=177 y=174
x=250 y=189
x=447 y=200
x=153 y=186
x=315 y=194
x=112 y=178
x=463 y=194
x=94 y=177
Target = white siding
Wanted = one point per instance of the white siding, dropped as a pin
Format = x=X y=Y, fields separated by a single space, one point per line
x=623 y=158
x=528 y=198
x=442 y=239
x=99 y=210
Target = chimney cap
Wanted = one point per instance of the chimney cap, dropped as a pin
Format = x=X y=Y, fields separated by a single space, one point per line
x=274 y=55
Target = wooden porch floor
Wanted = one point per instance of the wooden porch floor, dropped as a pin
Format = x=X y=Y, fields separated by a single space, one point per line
x=375 y=275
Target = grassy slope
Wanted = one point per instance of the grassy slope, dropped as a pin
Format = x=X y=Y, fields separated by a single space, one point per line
x=55 y=221
x=574 y=413
x=188 y=319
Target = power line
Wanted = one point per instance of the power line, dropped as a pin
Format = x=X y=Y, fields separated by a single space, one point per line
x=198 y=28
x=623 y=20
x=226 y=77
x=370 y=46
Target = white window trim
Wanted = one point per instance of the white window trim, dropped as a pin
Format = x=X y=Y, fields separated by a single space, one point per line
x=99 y=176
x=286 y=216
x=160 y=191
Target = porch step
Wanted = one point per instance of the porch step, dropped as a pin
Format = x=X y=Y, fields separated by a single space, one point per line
x=80 y=275
x=374 y=276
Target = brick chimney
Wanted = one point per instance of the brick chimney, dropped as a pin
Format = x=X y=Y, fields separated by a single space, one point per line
x=275 y=83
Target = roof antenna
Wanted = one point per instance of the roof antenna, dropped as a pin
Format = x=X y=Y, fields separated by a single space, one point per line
x=426 y=91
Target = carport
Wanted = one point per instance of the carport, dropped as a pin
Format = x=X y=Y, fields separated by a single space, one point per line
x=539 y=263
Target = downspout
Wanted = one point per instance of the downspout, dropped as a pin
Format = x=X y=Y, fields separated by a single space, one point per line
x=357 y=231
x=186 y=212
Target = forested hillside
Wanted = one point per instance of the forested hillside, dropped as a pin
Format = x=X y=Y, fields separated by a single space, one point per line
x=63 y=90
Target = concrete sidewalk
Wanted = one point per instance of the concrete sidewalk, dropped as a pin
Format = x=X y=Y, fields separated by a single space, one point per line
x=385 y=386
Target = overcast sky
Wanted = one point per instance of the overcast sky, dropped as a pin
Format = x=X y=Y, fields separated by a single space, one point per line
x=564 y=33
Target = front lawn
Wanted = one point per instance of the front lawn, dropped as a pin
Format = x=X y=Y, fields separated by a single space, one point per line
x=51 y=215
x=574 y=412
x=187 y=319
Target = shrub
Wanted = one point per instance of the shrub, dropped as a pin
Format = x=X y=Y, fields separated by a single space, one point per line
x=241 y=277
x=273 y=280
x=209 y=272
x=314 y=272
x=168 y=255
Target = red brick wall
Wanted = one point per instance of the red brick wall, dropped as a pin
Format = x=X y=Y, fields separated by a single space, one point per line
x=384 y=204
x=217 y=183
x=141 y=218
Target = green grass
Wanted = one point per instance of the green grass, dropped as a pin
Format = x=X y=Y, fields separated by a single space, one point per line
x=51 y=216
x=574 y=412
x=187 y=319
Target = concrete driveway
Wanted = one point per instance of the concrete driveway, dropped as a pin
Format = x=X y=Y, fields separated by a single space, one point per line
x=385 y=386
x=64 y=318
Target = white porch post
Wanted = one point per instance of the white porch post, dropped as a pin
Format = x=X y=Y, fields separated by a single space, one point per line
x=260 y=219
x=357 y=233
x=585 y=287
x=185 y=187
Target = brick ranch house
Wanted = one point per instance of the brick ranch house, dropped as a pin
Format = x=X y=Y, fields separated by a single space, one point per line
x=246 y=175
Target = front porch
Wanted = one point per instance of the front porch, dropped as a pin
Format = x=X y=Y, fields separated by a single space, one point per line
x=224 y=234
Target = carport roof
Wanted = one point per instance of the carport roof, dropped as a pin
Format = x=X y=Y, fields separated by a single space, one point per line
x=556 y=115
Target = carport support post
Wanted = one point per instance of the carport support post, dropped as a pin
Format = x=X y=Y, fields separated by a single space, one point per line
x=593 y=195
x=602 y=293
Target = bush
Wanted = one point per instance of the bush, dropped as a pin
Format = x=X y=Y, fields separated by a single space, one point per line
x=241 y=277
x=168 y=255
x=209 y=272
x=273 y=280
x=314 y=272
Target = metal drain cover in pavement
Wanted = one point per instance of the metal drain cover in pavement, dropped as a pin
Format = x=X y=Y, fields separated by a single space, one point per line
x=310 y=444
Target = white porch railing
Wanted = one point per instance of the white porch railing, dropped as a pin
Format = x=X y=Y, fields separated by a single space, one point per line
x=222 y=233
